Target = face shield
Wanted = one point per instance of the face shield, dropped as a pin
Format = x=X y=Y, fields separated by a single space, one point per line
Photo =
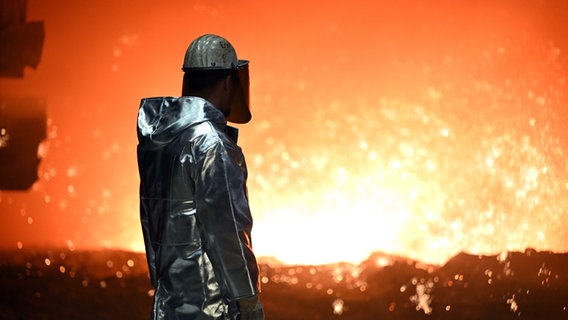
x=240 y=108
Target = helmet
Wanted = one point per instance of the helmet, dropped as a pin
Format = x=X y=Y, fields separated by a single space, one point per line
x=212 y=52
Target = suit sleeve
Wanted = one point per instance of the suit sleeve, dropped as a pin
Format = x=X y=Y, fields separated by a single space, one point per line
x=225 y=220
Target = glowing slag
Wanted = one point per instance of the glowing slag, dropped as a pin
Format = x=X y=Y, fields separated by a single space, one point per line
x=475 y=164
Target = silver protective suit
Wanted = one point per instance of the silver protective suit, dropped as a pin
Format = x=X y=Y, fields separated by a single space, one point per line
x=194 y=209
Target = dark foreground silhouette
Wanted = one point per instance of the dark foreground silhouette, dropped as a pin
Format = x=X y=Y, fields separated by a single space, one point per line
x=64 y=284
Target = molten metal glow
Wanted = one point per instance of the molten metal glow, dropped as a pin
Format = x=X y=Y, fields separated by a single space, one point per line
x=428 y=190
x=415 y=130
x=475 y=165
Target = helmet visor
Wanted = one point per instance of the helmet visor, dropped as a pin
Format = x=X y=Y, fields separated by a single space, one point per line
x=240 y=108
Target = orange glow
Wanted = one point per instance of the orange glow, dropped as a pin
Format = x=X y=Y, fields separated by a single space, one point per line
x=377 y=126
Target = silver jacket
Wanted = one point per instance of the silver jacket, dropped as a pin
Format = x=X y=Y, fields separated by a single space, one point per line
x=194 y=209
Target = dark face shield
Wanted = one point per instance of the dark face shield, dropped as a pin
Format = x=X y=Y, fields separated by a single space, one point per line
x=240 y=109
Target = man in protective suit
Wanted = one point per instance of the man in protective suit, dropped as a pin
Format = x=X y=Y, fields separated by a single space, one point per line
x=194 y=208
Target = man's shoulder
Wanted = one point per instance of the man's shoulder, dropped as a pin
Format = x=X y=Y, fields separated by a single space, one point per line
x=204 y=135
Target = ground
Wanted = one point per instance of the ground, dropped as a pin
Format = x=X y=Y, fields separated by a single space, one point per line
x=64 y=284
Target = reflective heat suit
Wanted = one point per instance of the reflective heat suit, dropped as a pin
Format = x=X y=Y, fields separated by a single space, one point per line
x=194 y=209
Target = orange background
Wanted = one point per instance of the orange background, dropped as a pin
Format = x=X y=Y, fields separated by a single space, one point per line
x=420 y=129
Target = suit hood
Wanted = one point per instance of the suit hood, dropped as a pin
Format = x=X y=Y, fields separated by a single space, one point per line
x=161 y=119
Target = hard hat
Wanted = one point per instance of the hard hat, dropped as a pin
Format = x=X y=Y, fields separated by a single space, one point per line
x=212 y=52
